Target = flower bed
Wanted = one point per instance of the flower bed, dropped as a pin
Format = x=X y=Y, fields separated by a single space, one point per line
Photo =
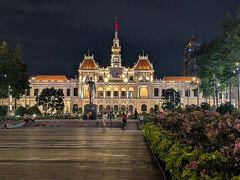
x=197 y=145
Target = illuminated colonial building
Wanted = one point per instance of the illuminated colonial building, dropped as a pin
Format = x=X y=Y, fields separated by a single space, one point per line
x=117 y=87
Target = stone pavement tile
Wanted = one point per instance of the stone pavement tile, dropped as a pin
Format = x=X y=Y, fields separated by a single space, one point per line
x=76 y=153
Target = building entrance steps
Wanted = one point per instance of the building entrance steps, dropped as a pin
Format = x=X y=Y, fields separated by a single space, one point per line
x=132 y=124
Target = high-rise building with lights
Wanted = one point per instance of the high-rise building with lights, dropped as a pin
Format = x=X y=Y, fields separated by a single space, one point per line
x=189 y=60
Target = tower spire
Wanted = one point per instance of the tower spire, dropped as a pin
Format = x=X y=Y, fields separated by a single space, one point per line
x=116 y=49
x=193 y=33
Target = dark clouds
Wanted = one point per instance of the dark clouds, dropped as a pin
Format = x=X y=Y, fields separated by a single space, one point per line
x=55 y=34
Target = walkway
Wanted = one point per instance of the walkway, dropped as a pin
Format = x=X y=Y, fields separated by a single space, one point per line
x=75 y=153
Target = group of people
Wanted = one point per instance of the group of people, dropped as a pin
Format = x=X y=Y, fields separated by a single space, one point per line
x=124 y=120
x=6 y=124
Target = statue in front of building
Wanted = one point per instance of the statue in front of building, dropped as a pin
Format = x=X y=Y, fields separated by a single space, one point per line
x=91 y=89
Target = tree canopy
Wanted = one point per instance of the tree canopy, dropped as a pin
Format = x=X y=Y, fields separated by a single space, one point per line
x=219 y=56
x=13 y=71
x=51 y=99
x=171 y=99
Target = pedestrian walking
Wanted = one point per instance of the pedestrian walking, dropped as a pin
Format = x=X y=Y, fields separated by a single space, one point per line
x=135 y=114
x=124 y=122
x=111 y=116
x=104 y=119
x=140 y=121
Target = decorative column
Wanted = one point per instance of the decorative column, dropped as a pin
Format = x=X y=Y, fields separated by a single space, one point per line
x=112 y=92
x=104 y=91
x=127 y=91
x=119 y=92
x=81 y=91
x=138 y=91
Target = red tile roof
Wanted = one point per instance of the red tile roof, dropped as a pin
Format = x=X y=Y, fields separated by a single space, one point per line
x=50 y=77
x=88 y=64
x=181 y=78
x=143 y=64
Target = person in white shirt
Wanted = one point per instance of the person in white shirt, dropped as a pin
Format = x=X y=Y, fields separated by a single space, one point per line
x=141 y=121
x=104 y=118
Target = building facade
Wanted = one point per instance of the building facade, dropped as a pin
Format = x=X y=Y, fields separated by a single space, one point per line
x=118 y=87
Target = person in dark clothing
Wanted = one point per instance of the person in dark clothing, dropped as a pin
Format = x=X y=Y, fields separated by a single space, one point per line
x=124 y=122
x=135 y=114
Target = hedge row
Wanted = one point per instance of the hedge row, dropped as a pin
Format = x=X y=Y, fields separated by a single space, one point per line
x=183 y=161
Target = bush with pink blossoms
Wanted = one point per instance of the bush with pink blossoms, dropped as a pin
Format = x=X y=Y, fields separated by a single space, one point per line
x=199 y=144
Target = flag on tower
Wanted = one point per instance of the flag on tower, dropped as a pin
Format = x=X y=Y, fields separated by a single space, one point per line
x=116 y=25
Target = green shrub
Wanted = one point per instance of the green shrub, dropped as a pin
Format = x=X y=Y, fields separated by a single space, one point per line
x=205 y=106
x=225 y=108
x=215 y=164
x=174 y=160
x=192 y=107
x=33 y=110
x=235 y=178
x=21 y=111
x=3 y=111
x=165 y=143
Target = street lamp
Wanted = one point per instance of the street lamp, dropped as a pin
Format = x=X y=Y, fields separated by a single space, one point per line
x=238 y=82
x=9 y=93
x=214 y=91
x=218 y=85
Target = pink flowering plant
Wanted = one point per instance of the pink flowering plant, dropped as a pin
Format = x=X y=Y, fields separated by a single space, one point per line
x=202 y=144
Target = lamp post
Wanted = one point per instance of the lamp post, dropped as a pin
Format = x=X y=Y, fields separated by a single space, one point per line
x=9 y=93
x=214 y=91
x=174 y=99
x=218 y=85
x=238 y=83
x=25 y=98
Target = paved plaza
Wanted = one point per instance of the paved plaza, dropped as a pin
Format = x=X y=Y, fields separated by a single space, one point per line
x=66 y=153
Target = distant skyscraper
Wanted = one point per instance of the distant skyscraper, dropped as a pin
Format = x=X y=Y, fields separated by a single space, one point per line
x=189 y=65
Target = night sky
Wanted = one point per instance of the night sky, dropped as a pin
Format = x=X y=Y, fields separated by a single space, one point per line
x=55 y=34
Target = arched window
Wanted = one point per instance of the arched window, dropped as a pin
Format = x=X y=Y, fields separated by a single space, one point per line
x=115 y=108
x=156 y=92
x=68 y=92
x=144 y=107
x=75 y=107
x=100 y=92
x=131 y=108
x=108 y=92
x=115 y=91
x=123 y=92
x=36 y=92
x=123 y=108
x=100 y=108
x=60 y=91
x=108 y=107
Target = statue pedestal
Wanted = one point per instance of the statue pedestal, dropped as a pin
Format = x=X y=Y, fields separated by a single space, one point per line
x=90 y=109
